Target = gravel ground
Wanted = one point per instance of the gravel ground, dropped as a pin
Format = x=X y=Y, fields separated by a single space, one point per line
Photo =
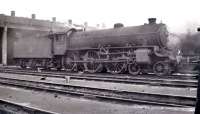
x=109 y=85
x=70 y=105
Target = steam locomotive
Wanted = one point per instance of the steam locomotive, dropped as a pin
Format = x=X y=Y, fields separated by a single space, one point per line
x=137 y=49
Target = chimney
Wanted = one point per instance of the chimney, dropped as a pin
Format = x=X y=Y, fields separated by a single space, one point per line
x=54 y=19
x=118 y=25
x=70 y=22
x=152 y=20
x=33 y=16
x=13 y=13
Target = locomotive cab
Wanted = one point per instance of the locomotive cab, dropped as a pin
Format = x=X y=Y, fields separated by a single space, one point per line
x=58 y=44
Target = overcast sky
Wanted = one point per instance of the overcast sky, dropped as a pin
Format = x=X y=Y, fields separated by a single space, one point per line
x=178 y=15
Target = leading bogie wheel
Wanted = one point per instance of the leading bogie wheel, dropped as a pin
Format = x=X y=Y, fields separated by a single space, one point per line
x=134 y=69
x=161 y=68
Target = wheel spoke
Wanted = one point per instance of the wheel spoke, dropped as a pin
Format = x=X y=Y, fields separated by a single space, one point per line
x=116 y=67
x=91 y=65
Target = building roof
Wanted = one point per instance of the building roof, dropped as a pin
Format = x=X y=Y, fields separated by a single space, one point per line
x=29 y=23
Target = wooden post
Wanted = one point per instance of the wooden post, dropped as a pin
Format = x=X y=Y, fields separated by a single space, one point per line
x=67 y=79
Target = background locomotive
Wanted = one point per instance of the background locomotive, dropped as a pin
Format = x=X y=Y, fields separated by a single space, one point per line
x=134 y=49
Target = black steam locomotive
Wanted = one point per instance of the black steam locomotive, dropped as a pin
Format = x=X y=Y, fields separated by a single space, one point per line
x=138 y=49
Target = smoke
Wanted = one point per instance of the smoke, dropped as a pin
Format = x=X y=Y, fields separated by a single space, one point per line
x=187 y=41
x=190 y=45
x=174 y=42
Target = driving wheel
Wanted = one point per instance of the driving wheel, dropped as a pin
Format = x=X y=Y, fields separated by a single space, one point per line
x=91 y=64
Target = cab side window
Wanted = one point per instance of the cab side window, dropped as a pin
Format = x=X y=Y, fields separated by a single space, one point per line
x=59 y=38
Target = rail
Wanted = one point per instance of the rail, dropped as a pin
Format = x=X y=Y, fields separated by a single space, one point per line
x=111 y=78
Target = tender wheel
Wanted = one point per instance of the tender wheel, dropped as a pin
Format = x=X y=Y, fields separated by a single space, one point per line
x=161 y=68
x=116 y=67
x=23 y=64
x=57 y=64
x=33 y=64
x=133 y=69
x=48 y=65
x=69 y=63
x=91 y=64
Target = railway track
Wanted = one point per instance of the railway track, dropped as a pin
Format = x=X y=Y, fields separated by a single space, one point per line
x=151 y=75
x=103 y=94
x=110 y=78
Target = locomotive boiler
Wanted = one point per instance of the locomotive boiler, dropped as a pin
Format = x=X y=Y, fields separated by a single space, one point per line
x=137 y=49
x=148 y=34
